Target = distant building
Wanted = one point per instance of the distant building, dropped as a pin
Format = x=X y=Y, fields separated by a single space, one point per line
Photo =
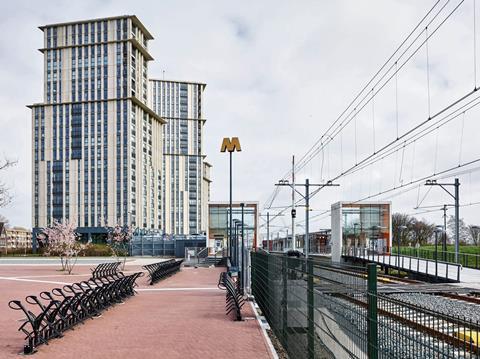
x=219 y=223
x=186 y=175
x=16 y=237
x=319 y=242
x=362 y=225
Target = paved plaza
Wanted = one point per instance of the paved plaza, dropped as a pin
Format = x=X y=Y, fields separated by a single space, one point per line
x=182 y=316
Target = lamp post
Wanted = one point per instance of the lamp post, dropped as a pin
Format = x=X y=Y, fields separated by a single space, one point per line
x=399 y=237
x=231 y=145
x=438 y=229
x=242 y=206
x=375 y=230
x=355 y=225
x=235 y=242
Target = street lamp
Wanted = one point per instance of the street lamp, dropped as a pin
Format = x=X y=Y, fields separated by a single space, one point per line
x=235 y=242
x=375 y=233
x=438 y=229
x=355 y=225
x=399 y=235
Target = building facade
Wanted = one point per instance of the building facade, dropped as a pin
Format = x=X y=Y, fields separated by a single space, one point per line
x=186 y=175
x=97 y=145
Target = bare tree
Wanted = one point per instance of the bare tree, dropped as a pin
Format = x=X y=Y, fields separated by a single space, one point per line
x=4 y=220
x=474 y=234
x=5 y=196
x=398 y=221
x=422 y=231
x=463 y=229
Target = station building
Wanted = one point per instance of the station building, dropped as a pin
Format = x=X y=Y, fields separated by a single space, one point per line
x=219 y=223
x=361 y=225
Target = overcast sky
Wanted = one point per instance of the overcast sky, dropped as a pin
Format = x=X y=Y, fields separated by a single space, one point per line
x=277 y=73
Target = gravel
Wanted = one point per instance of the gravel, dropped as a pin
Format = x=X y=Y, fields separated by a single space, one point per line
x=450 y=307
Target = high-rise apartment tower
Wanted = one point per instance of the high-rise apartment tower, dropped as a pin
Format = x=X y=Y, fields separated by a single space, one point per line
x=97 y=145
x=186 y=175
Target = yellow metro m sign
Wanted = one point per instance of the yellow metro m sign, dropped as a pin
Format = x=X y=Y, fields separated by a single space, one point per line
x=231 y=145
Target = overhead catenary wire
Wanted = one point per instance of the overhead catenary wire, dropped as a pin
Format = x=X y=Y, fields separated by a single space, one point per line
x=366 y=98
x=401 y=142
x=379 y=71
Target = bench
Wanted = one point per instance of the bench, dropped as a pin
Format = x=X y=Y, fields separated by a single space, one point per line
x=233 y=297
x=160 y=270
x=106 y=270
x=50 y=314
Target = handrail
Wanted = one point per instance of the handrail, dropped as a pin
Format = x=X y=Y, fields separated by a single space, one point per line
x=373 y=256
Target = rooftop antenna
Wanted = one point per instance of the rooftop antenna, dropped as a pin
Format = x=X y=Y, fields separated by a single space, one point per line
x=163 y=72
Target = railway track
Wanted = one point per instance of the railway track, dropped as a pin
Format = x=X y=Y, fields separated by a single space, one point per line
x=461 y=337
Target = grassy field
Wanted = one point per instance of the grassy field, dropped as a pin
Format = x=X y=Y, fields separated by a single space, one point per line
x=451 y=248
x=469 y=256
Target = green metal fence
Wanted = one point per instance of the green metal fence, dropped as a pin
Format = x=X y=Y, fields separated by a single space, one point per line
x=468 y=260
x=317 y=310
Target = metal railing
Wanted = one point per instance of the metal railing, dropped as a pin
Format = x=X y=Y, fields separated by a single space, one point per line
x=467 y=260
x=325 y=311
x=432 y=268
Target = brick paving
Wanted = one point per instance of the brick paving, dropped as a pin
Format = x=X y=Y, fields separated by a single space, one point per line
x=182 y=316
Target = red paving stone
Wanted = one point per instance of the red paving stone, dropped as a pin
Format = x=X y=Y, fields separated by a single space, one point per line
x=180 y=323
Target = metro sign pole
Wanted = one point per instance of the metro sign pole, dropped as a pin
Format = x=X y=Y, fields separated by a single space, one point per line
x=231 y=145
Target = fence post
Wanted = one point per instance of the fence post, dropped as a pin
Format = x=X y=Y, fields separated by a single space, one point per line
x=252 y=273
x=310 y=311
x=284 y=298
x=372 y=331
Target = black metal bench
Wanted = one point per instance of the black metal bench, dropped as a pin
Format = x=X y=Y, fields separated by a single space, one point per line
x=160 y=270
x=51 y=313
x=106 y=270
x=233 y=297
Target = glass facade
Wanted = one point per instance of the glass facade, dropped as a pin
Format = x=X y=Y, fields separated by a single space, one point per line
x=366 y=225
x=219 y=223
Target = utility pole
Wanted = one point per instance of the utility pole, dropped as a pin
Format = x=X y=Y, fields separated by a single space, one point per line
x=456 y=197
x=268 y=231
x=286 y=241
x=294 y=211
x=307 y=218
x=306 y=197
x=457 y=218
x=268 y=225
x=444 y=237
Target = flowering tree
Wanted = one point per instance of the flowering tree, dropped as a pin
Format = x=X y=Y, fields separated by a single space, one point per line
x=62 y=240
x=118 y=239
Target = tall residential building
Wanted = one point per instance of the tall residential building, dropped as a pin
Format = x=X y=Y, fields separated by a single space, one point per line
x=186 y=175
x=97 y=145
